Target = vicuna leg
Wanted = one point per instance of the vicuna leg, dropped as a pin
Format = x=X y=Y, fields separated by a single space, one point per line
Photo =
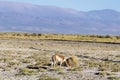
x=53 y=63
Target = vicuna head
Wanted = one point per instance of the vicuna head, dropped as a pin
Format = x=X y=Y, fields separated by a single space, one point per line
x=57 y=58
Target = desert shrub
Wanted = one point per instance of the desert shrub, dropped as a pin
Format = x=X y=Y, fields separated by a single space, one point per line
x=91 y=63
x=5 y=68
x=26 y=34
x=118 y=56
x=76 y=69
x=61 y=73
x=108 y=36
x=27 y=71
x=40 y=59
x=102 y=68
x=33 y=34
x=102 y=73
x=13 y=63
x=107 y=65
x=25 y=60
x=115 y=69
x=39 y=34
x=114 y=78
x=117 y=37
x=42 y=70
x=99 y=36
x=6 y=59
x=45 y=77
x=57 y=69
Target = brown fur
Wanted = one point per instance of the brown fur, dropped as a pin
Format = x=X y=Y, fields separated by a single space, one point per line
x=56 y=60
x=60 y=55
x=72 y=61
x=69 y=62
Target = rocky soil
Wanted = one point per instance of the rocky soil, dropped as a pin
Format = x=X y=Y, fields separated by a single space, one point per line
x=25 y=59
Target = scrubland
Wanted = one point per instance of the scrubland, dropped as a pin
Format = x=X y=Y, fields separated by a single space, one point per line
x=26 y=56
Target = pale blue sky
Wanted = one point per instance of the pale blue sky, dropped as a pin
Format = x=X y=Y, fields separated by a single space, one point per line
x=81 y=5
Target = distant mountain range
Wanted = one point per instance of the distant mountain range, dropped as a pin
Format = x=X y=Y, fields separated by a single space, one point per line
x=50 y=19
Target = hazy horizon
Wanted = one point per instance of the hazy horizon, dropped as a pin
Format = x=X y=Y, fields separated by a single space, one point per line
x=80 y=5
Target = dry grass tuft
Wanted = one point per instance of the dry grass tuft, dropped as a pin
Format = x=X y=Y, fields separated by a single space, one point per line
x=45 y=77
x=27 y=71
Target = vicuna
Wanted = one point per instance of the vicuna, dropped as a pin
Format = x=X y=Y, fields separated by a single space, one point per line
x=57 y=58
x=72 y=61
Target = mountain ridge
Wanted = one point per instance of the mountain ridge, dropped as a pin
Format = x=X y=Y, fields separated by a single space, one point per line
x=51 y=19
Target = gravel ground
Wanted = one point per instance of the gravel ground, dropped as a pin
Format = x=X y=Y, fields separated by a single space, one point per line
x=17 y=54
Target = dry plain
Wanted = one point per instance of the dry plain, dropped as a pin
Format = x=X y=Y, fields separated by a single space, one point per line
x=27 y=59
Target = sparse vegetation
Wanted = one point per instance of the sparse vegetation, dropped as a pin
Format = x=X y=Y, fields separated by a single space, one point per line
x=102 y=69
x=25 y=60
x=58 y=69
x=91 y=63
x=28 y=56
x=76 y=69
x=45 y=77
x=93 y=38
x=103 y=73
x=114 y=78
x=27 y=71
x=13 y=63
x=62 y=73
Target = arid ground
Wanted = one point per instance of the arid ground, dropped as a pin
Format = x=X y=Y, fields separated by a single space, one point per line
x=27 y=59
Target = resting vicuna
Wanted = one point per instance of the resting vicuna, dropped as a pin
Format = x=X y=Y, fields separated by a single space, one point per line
x=57 y=58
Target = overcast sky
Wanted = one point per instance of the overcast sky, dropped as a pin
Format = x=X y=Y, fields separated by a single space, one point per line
x=81 y=5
